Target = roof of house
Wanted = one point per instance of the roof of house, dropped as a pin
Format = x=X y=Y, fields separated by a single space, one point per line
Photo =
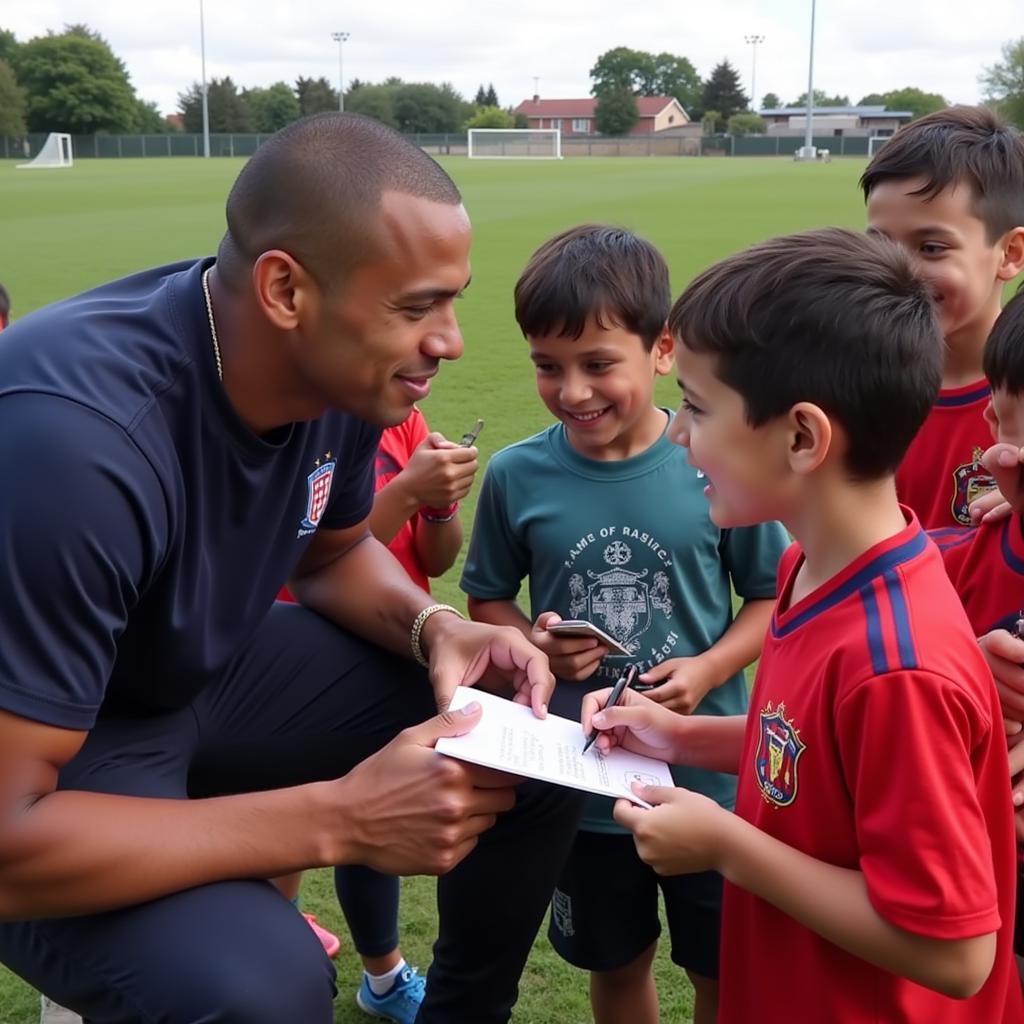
x=864 y=113
x=647 y=106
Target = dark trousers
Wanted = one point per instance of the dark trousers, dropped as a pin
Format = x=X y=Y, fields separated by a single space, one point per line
x=303 y=702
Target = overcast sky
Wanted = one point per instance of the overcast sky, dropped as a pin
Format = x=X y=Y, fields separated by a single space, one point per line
x=861 y=46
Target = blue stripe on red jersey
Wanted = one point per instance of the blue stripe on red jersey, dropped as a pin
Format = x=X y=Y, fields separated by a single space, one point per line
x=876 y=641
x=876 y=567
x=952 y=536
x=949 y=401
x=901 y=619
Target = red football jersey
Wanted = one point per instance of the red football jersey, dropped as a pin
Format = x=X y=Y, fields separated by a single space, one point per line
x=986 y=566
x=874 y=742
x=941 y=474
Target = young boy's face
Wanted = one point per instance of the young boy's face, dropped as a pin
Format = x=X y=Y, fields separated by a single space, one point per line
x=952 y=251
x=1005 y=417
x=744 y=467
x=601 y=387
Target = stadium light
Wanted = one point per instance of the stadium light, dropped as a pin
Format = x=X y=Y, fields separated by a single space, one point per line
x=809 y=132
x=753 y=41
x=206 y=105
x=340 y=38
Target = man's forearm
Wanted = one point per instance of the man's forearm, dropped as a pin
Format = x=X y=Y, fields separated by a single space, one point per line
x=73 y=852
x=833 y=902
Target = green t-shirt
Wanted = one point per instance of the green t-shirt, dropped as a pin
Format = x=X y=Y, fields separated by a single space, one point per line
x=629 y=546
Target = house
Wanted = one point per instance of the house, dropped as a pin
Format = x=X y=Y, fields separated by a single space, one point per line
x=576 y=117
x=836 y=120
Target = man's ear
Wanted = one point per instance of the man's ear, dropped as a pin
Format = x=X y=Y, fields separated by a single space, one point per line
x=285 y=291
x=809 y=437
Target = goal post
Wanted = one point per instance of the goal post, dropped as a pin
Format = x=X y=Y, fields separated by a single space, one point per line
x=875 y=143
x=515 y=144
x=55 y=152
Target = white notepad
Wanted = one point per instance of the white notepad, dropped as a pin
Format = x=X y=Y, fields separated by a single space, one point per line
x=510 y=738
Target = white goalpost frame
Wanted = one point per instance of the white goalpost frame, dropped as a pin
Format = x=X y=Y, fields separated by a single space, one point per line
x=523 y=136
x=56 y=151
x=875 y=143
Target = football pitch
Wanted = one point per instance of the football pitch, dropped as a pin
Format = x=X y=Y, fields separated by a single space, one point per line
x=66 y=230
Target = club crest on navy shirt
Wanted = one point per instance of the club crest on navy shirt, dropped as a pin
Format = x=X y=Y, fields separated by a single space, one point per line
x=778 y=753
x=318 y=492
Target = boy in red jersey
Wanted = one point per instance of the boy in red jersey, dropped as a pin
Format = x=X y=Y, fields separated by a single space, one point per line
x=871 y=855
x=950 y=188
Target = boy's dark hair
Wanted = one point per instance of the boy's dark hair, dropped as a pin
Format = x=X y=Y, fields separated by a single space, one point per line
x=1004 y=350
x=959 y=146
x=832 y=317
x=594 y=272
x=5 y=306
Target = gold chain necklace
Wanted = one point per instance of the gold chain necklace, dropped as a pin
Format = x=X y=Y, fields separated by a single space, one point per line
x=213 y=326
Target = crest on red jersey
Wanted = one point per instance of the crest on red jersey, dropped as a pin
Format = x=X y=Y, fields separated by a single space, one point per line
x=778 y=753
x=970 y=481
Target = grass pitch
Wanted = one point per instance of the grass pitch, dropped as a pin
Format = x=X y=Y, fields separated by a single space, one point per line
x=66 y=230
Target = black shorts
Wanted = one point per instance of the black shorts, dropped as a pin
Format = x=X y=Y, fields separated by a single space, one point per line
x=604 y=912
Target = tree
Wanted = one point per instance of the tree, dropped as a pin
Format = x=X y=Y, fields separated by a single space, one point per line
x=616 y=111
x=429 y=109
x=316 y=96
x=747 y=124
x=376 y=101
x=74 y=84
x=916 y=101
x=722 y=92
x=491 y=99
x=712 y=122
x=491 y=117
x=480 y=99
x=12 y=102
x=8 y=46
x=1003 y=83
x=228 y=111
x=271 y=108
x=677 y=77
x=148 y=120
x=770 y=101
x=822 y=99
x=623 y=69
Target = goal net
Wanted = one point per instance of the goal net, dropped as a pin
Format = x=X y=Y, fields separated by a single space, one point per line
x=875 y=143
x=56 y=152
x=515 y=143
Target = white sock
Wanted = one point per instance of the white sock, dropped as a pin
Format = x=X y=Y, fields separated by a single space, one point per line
x=382 y=983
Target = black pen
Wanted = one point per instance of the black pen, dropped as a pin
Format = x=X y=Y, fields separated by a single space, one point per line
x=620 y=687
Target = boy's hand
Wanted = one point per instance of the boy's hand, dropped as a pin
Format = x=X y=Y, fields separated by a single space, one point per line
x=989 y=508
x=439 y=472
x=681 y=834
x=571 y=657
x=1005 y=655
x=635 y=724
x=681 y=684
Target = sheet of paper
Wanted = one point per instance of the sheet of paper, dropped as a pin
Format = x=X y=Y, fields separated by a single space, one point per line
x=510 y=738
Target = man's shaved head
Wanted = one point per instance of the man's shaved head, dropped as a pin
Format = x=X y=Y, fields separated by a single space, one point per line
x=312 y=190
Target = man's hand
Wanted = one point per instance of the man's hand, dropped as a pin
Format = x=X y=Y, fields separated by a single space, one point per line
x=462 y=653
x=680 y=683
x=682 y=833
x=439 y=472
x=635 y=723
x=409 y=810
x=570 y=657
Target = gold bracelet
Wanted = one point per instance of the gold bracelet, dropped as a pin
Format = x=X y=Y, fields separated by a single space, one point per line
x=417 y=628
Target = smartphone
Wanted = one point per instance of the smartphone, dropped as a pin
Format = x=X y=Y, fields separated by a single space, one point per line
x=469 y=438
x=580 y=627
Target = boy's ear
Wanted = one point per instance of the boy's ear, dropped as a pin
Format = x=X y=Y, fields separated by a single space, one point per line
x=665 y=350
x=1013 y=254
x=809 y=437
x=991 y=419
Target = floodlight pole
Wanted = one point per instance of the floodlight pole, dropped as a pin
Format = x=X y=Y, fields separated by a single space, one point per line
x=809 y=133
x=753 y=42
x=206 y=105
x=340 y=38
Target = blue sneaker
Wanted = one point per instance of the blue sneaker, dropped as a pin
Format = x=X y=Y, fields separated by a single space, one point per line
x=400 y=1003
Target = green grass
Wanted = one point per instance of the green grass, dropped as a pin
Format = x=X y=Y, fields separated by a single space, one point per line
x=66 y=230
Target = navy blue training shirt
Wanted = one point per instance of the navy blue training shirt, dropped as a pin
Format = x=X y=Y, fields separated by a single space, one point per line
x=144 y=529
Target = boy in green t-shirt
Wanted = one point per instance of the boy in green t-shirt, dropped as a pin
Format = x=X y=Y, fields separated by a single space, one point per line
x=609 y=522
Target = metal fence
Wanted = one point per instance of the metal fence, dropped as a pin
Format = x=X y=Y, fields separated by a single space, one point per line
x=451 y=144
